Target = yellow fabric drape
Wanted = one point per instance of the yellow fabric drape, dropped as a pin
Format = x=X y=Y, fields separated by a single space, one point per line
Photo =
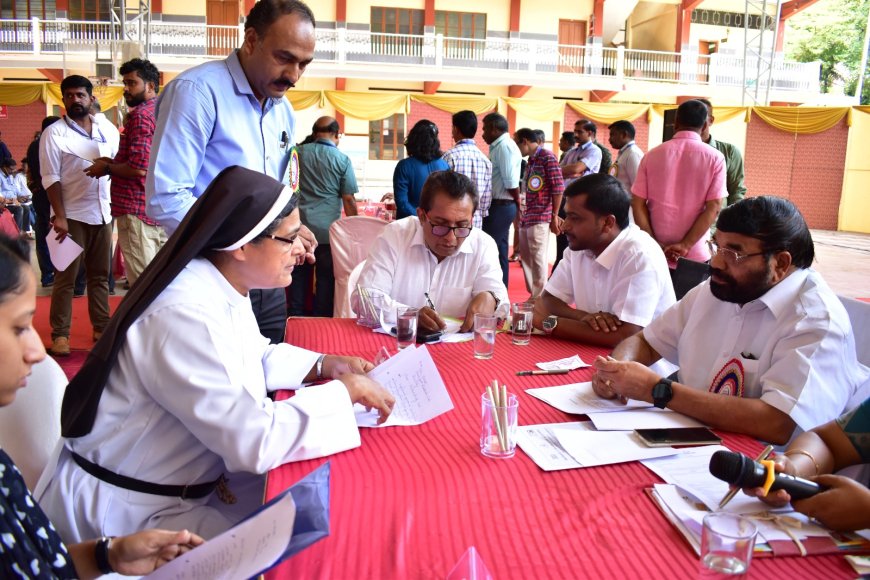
x=723 y=114
x=541 y=110
x=107 y=96
x=802 y=120
x=20 y=94
x=608 y=112
x=456 y=103
x=863 y=109
x=369 y=106
x=305 y=99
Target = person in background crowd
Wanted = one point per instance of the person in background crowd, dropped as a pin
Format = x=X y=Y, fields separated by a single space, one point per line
x=629 y=154
x=424 y=157
x=566 y=143
x=41 y=206
x=470 y=161
x=733 y=160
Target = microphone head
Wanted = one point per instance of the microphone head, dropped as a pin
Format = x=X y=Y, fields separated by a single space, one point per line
x=728 y=466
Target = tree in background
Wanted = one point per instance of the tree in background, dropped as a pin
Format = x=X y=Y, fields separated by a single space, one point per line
x=831 y=31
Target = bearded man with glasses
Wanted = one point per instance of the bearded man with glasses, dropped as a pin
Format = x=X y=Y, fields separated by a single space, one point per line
x=437 y=260
x=763 y=345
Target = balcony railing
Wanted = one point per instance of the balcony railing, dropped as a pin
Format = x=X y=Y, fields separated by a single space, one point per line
x=361 y=46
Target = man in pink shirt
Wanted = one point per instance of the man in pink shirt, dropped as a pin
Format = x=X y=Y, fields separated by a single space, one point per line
x=680 y=188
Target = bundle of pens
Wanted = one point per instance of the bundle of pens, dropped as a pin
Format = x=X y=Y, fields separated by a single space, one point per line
x=367 y=315
x=498 y=397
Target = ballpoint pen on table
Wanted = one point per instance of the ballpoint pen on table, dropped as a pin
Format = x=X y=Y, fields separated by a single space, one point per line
x=555 y=372
x=731 y=493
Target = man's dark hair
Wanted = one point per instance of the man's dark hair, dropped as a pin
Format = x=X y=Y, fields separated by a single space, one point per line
x=526 y=134
x=450 y=183
x=76 y=82
x=604 y=196
x=466 y=123
x=624 y=127
x=9 y=162
x=422 y=141
x=540 y=136
x=332 y=128
x=145 y=69
x=775 y=222
x=588 y=126
x=497 y=121
x=266 y=12
x=692 y=114
x=569 y=137
x=48 y=121
x=706 y=102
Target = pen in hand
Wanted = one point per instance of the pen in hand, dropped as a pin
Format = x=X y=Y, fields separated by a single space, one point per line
x=732 y=492
x=429 y=302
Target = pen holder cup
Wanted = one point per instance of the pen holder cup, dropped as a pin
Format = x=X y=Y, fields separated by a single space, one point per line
x=498 y=427
x=373 y=308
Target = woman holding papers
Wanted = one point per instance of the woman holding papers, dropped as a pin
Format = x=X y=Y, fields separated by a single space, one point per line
x=30 y=546
x=815 y=455
x=169 y=420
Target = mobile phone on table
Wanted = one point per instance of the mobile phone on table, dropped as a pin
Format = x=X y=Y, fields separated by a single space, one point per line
x=423 y=335
x=678 y=436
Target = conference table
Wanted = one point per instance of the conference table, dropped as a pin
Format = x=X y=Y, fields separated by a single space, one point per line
x=410 y=501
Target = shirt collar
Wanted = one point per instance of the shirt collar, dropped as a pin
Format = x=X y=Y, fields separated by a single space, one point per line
x=626 y=146
x=608 y=257
x=711 y=142
x=691 y=135
x=587 y=145
x=419 y=240
x=243 y=87
x=467 y=141
x=325 y=141
x=779 y=298
x=499 y=141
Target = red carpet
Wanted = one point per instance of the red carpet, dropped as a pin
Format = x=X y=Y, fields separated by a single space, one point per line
x=81 y=332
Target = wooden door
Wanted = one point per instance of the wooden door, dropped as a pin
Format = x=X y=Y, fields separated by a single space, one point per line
x=572 y=42
x=222 y=14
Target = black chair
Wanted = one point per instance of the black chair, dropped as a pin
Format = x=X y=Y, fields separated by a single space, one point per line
x=688 y=274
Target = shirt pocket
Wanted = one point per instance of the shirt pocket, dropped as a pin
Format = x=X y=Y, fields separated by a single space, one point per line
x=454 y=301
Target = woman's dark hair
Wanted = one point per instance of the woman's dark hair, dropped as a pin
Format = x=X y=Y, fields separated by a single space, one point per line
x=422 y=141
x=14 y=258
x=775 y=222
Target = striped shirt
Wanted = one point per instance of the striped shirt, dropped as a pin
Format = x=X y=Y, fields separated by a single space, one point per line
x=467 y=159
x=543 y=180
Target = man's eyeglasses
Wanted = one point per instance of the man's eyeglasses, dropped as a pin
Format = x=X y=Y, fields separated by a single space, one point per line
x=442 y=231
x=730 y=256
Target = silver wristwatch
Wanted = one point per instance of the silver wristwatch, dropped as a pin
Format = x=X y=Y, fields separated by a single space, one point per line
x=549 y=324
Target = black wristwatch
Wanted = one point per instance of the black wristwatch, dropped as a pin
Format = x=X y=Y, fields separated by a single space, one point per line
x=101 y=555
x=662 y=393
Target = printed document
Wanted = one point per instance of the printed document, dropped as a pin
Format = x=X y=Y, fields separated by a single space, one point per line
x=580 y=399
x=591 y=448
x=651 y=418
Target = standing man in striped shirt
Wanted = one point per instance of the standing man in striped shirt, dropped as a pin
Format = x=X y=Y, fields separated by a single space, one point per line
x=467 y=159
x=544 y=187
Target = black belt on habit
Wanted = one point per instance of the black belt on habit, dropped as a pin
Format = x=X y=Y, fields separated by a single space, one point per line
x=502 y=202
x=197 y=491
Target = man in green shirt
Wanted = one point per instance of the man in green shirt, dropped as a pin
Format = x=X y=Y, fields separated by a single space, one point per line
x=733 y=160
x=326 y=183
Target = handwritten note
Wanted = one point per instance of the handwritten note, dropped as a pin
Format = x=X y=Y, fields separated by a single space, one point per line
x=580 y=399
x=413 y=379
x=570 y=363
x=241 y=552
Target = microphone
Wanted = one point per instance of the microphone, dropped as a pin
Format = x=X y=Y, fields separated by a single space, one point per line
x=741 y=471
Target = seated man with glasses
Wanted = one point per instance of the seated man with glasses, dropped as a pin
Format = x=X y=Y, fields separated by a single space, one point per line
x=763 y=346
x=436 y=260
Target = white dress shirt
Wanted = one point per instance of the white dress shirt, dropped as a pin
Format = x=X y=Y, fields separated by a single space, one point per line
x=630 y=279
x=793 y=348
x=400 y=265
x=65 y=151
x=186 y=401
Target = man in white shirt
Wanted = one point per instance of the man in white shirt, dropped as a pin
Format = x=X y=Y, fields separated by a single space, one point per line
x=79 y=206
x=437 y=261
x=628 y=154
x=763 y=346
x=612 y=272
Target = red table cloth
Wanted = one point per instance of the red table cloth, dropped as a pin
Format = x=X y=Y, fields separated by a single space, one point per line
x=411 y=500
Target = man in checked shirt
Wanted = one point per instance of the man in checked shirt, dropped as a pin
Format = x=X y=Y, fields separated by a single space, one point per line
x=544 y=187
x=139 y=236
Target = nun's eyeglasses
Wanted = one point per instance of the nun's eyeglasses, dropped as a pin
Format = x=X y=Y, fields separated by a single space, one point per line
x=288 y=241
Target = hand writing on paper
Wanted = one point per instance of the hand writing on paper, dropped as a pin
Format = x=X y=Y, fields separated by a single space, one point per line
x=334 y=366
x=623 y=379
x=430 y=320
x=844 y=506
x=370 y=394
x=309 y=243
x=143 y=552
x=601 y=321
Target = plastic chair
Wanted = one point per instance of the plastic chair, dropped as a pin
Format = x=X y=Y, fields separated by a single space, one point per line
x=30 y=426
x=350 y=239
x=859 y=316
x=351 y=285
x=689 y=274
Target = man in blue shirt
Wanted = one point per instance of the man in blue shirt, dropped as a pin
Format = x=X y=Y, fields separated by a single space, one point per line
x=233 y=112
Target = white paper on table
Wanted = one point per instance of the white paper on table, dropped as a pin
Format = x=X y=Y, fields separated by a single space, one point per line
x=651 y=418
x=691 y=471
x=570 y=363
x=591 y=448
x=539 y=442
x=457 y=337
x=241 y=552
x=580 y=399
x=413 y=379
x=62 y=253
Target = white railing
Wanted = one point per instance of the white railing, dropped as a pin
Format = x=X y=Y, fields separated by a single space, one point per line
x=348 y=46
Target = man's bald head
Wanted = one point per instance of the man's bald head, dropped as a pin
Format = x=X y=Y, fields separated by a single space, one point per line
x=325 y=127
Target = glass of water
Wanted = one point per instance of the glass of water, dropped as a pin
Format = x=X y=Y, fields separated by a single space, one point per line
x=406 y=326
x=484 y=335
x=727 y=542
x=521 y=322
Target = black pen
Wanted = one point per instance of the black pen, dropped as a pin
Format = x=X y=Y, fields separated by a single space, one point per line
x=556 y=372
x=429 y=302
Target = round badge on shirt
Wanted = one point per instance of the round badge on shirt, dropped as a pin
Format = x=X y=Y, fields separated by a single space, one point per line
x=293 y=171
x=536 y=183
x=614 y=169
